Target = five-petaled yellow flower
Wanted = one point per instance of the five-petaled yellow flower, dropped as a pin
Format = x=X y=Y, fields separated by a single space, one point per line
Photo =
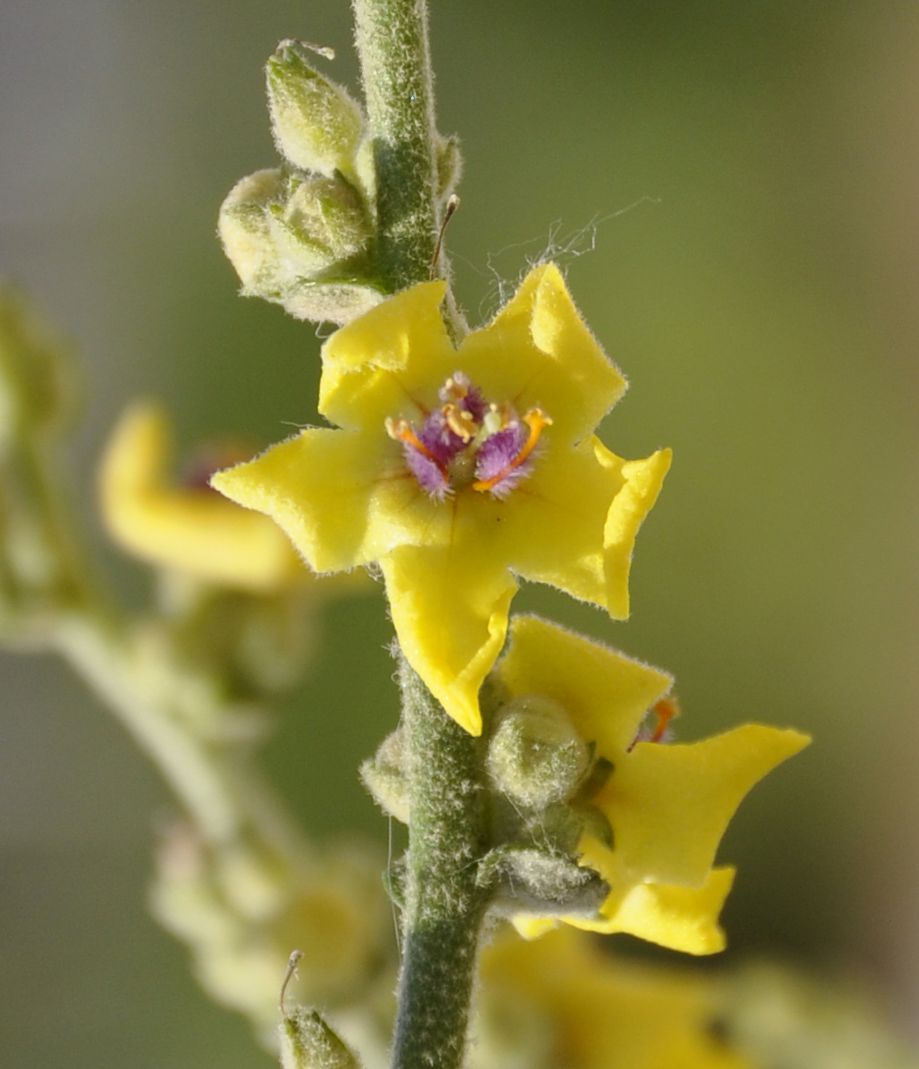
x=667 y=804
x=565 y=1002
x=459 y=468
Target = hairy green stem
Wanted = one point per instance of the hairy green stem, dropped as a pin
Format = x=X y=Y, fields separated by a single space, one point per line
x=392 y=44
x=443 y=906
x=106 y=660
x=45 y=569
x=63 y=607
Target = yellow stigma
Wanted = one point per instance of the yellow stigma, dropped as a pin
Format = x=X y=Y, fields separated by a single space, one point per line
x=460 y=421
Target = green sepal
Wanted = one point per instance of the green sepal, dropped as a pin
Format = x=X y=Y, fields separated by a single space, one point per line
x=308 y=1042
x=526 y=878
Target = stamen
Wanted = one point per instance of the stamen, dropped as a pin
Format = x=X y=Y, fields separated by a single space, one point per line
x=402 y=431
x=665 y=710
x=536 y=420
x=461 y=422
x=455 y=388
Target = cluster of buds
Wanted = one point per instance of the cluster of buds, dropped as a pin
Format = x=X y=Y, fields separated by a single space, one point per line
x=540 y=775
x=302 y=235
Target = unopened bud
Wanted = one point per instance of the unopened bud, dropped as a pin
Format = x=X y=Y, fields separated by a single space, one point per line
x=307 y=1042
x=536 y=756
x=531 y=879
x=316 y=123
x=322 y=223
x=244 y=229
x=301 y=241
x=331 y=300
x=384 y=777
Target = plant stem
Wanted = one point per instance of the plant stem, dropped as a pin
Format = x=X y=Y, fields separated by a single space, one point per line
x=443 y=906
x=213 y=783
x=392 y=44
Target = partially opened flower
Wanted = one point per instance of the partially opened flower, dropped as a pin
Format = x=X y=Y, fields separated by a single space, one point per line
x=185 y=527
x=664 y=806
x=563 y=1002
x=459 y=468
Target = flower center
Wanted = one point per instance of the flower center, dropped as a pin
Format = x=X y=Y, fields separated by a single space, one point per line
x=469 y=441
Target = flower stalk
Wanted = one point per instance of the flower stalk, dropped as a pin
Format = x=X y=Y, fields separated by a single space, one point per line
x=443 y=907
x=212 y=782
x=392 y=44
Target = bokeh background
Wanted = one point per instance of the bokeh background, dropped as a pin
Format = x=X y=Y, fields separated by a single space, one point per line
x=733 y=188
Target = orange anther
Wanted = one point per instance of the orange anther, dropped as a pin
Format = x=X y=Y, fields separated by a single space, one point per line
x=402 y=431
x=665 y=710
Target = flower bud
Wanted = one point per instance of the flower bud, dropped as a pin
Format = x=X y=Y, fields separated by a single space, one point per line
x=332 y=301
x=535 y=756
x=533 y=879
x=322 y=223
x=243 y=226
x=307 y=1042
x=316 y=123
x=384 y=777
x=301 y=241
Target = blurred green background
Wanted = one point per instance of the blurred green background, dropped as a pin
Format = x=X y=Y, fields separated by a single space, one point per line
x=741 y=180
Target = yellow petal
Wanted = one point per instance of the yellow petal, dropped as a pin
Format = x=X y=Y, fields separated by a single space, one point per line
x=342 y=498
x=669 y=805
x=605 y=693
x=674 y=916
x=554 y=521
x=574 y=522
x=641 y=484
x=391 y=361
x=449 y=607
x=538 y=352
x=601 y=1012
x=188 y=530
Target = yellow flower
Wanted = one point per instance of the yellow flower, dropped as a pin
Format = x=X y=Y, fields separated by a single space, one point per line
x=459 y=469
x=185 y=529
x=241 y=909
x=582 y=1009
x=667 y=805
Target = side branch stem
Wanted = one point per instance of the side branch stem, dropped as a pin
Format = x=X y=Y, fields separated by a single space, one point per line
x=392 y=44
x=214 y=783
x=443 y=906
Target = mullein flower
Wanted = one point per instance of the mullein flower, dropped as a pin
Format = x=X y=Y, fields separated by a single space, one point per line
x=663 y=807
x=563 y=1002
x=459 y=469
x=240 y=910
x=796 y=1020
x=185 y=528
